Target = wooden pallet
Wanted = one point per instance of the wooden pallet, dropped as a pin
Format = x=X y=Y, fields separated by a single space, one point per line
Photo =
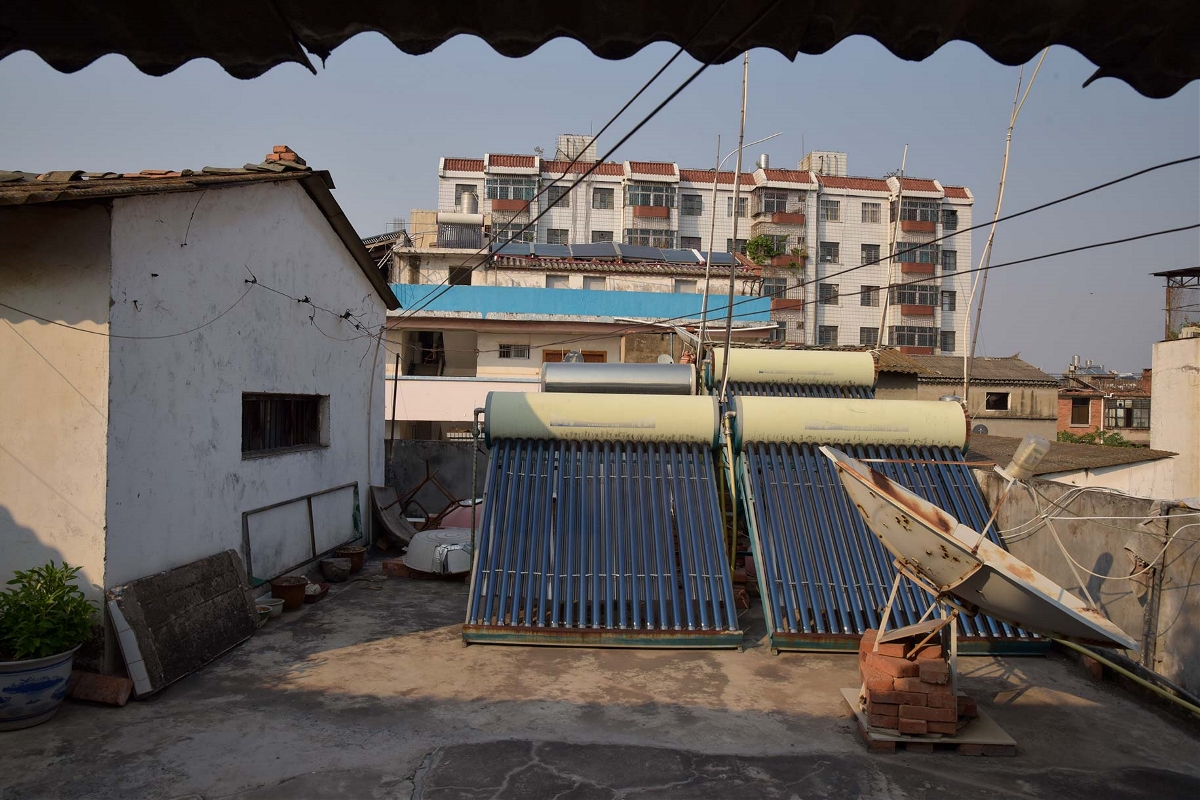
x=981 y=737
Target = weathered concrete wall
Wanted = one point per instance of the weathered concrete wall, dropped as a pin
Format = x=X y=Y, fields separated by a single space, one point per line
x=451 y=461
x=178 y=483
x=490 y=363
x=1147 y=479
x=1099 y=545
x=54 y=262
x=1032 y=409
x=1175 y=410
x=645 y=348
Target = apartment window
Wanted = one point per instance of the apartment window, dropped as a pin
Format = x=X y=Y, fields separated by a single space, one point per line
x=273 y=423
x=779 y=241
x=779 y=332
x=947 y=341
x=511 y=188
x=558 y=236
x=949 y=219
x=691 y=205
x=915 y=294
x=601 y=236
x=949 y=261
x=949 y=300
x=871 y=212
x=1081 y=411
x=771 y=201
x=743 y=203
x=683 y=286
x=830 y=210
x=691 y=243
x=913 y=336
x=827 y=294
x=1127 y=412
x=602 y=198
x=868 y=337
x=460 y=276
x=741 y=246
x=774 y=287
x=559 y=196
x=827 y=335
x=514 y=351
x=650 y=237
x=464 y=188
x=598 y=283
x=996 y=401
x=870 y=254
x=868 y=296
x=918 y=210
x=511 y=231
x=912 y=253
x=829 y=252
x=558 y=282
x=650 y=194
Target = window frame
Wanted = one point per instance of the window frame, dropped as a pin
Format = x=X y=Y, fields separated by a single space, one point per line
x=510 y=351
x=942 y=341
x=555 y=277
x=650 y=237
x=869 y=296
x=769 y=287
x=1084 y=403
x=561 y=192
x=685 y=242
x=823 y=331
x=949 y=219
x=870 y=210
x=602 y=240
x=658 y=195
x=461 y=188
x=828 y=294
x=865 y=260
x=679 y=285
x=505 y=187
x=836 y=251
x=599 y=192
x=913 y=336
x=691 y=205
x=873 y=337
x=829 y=210
x=311 y=433
x=592 y=279
x=951 y=296
x=953 y=260
x=994 y=405
x=558 y=233
x=772 y=201
x=743 y=206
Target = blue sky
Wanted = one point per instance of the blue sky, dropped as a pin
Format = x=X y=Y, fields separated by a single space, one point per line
x=379 y=119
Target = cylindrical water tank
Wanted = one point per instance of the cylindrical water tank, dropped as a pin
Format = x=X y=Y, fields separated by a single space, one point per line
x=764 y=161
x=810 y=367
x=470 y=203
x=619 y=378
x=818 y=420
x=601 y=417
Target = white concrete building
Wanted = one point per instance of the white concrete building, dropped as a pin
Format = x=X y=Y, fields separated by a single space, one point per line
x=187 y=367
x=825 y=225
x=1175 y=411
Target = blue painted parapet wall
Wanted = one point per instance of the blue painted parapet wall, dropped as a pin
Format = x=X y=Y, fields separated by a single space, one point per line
x=498 y=301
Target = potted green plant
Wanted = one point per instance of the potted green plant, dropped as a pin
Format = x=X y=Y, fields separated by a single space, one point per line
x=44 y=618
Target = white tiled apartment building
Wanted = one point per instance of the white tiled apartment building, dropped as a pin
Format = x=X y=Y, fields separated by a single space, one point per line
x=823 y=222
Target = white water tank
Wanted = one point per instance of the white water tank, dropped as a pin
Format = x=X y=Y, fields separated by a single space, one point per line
x=470 y=203
x=764 y=161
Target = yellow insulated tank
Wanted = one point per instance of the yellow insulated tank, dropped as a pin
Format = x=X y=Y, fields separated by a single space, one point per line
x=818 y=420
x=813 y=367
x=602 y=417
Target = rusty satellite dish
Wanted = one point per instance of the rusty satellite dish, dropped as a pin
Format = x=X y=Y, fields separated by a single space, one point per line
x=966 y=569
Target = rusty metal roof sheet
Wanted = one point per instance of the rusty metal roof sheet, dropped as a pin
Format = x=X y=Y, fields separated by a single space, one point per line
x=1063 y=456
x=983 y=370
x=1150 y=46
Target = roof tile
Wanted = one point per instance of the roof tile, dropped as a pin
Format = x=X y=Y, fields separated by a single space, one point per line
x=859 y=184
x=706 y=176
x=603 y=168
x=789 y=175
x=1063 y=456
x=526 y=162
x=919 y=185
x=956 y=192
x=464 y=164
x=652 y=167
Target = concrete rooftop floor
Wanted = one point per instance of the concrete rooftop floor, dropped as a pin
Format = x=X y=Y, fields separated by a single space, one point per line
x=370 y=693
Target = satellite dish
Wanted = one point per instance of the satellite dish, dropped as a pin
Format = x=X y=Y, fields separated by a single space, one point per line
x=666 y=358
x=968 y=572
x=573 y=357
x=979 y=429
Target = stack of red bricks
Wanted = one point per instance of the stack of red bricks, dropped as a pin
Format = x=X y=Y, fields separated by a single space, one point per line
x=281 y=152
x=908 y=691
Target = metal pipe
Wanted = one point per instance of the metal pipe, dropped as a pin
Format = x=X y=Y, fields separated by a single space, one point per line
x=733 y=499
x=737 y=193
x=1139 y=680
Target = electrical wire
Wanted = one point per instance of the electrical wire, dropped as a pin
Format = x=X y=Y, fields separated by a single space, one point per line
x=433 y=296
x=126 y=336
x=805 y=303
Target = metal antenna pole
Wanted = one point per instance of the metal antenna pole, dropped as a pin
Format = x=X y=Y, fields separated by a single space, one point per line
x=887 y=288
x=737 y=189
x=712 y=232
x=985 y=258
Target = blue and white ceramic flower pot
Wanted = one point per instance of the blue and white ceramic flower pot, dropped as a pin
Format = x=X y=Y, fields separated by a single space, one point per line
x=31 y=691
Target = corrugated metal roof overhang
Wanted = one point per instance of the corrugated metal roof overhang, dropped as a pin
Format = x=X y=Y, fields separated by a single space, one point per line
x=1150 y=46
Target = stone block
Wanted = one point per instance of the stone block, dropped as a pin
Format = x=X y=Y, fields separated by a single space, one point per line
x=335 y=570
x=913 y=726
x=890 y=665
x=927 y=713
x=933 y=671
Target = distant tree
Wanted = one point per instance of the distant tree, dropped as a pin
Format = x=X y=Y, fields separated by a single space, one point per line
x=1104 y=438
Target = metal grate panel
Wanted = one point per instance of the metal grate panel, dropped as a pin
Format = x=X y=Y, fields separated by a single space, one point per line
x=823 y=577
x=601 y=543
x=799 y=390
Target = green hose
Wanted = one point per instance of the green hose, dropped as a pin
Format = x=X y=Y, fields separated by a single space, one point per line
x=1161 y=692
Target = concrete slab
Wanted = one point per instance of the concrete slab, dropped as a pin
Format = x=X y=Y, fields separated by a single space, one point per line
x=371 y=693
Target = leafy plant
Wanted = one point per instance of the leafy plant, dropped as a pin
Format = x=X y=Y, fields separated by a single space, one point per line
x=761 y=249
x=1106 y=438
x=46 y=614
